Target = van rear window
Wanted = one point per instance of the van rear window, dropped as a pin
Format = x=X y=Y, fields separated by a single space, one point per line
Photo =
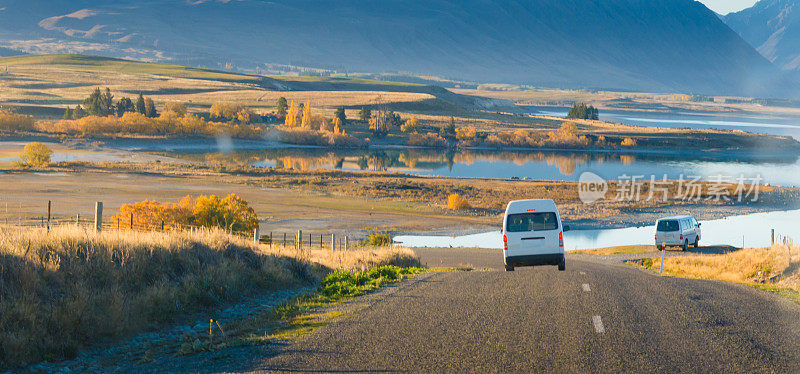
x=531 y=222
x=667 y=226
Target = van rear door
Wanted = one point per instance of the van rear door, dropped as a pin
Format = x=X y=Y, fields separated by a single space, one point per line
x=668 y=231
x=532 y=233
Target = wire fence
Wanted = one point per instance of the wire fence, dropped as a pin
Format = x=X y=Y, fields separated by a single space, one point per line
x=47 y=216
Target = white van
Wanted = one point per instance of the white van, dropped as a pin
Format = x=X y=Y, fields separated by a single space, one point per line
x=677 y=231
x=533 y=234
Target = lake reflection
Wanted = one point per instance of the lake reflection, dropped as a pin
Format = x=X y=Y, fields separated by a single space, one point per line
x=537 y=165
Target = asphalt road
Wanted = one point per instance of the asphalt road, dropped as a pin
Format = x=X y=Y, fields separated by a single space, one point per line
x=598 y=316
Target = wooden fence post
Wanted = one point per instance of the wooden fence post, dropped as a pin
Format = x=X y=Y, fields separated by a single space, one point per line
x=131 y=221
x=98 y=216
x=78 y=219
x=345 y=242
x=255 y=235
x=333 y=242
x=772 y=236
x=299 y=239
x=49 y=203
x=284 y=239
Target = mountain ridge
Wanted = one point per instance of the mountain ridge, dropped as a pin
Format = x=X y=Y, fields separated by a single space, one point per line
x=665 y=45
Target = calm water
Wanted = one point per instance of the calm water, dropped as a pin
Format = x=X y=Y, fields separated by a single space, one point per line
x=770 y=124
x=537 y=165
x=753 y=230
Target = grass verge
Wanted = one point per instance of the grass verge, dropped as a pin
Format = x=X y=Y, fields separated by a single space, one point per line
x=775 y=269
x=306 y=313
x=68 y=288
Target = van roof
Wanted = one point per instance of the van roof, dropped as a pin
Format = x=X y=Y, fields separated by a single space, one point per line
x=676 y=217
x=521 y=206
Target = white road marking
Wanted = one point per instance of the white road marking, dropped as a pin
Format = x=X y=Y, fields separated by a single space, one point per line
x=598 y=324
x=586 y=287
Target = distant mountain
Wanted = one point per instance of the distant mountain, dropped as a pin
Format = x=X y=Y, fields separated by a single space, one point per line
x=651 y=45
x=773 y=27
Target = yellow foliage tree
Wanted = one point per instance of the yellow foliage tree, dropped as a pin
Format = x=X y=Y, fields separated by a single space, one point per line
x=628 y=142
x=175 y=107
x=411 y=125
x=466 y=133
x=291 y=115
x=35 y=154
x=456 y=202
x=231 y=213
x=307 y=115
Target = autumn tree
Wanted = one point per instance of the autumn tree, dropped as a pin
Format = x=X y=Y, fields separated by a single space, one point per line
x=176 y=107
x=379 y=124
x=291 y=116
x=282 y=107
x=411 y=125
x=231 y=213
x=35 y=154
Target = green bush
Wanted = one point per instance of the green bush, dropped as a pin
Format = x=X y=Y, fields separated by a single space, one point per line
x=340 y=283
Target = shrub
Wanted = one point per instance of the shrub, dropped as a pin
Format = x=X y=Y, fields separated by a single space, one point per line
x=426 y=140
x=628 y=142
x=178 y=108
x=378 y=238
x=35 y=154
x=411 y=125
x=466 y=134
x=457 y=202
x=231 y=213
x=10 y=121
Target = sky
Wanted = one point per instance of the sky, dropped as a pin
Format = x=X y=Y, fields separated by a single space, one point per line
x=726 y=6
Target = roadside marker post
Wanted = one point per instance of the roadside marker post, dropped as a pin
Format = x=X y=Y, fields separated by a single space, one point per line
x=663 y=250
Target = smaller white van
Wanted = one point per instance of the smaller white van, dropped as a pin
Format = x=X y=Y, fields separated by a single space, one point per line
x=677 y=231
x=533 y=234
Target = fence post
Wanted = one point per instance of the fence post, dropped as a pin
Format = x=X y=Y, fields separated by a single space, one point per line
x=299 y=239
x=284 y=239
x=98 y=217
x=345 y=242
x=270 y=240
x=255 y=235
x=78 y=219
x=772 y=236
x=162 y=225
x=49 y=203
x=131 y=221
x=333 y=242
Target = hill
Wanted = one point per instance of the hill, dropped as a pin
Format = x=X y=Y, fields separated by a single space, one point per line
x=773 y=27
x=665 y=45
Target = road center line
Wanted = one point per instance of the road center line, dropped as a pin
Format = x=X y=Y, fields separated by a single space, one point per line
x=598 y=324
x=586 y=287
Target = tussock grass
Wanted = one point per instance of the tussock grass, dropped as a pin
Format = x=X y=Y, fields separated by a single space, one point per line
x=63 y=290
x=777 y=267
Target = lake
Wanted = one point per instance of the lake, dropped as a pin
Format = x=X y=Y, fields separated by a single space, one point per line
x=759 y=123
x=535 y=165
x=752 y=230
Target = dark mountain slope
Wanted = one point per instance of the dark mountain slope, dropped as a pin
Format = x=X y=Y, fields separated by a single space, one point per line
x=663 y=45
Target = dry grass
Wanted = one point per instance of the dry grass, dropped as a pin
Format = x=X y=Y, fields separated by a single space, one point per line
x=777 y=266
x=69 y=288
x=620 y=250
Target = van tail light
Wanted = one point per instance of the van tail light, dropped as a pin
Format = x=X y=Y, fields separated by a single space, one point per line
x=505 y=243
x=561 y=239
x=681 y=237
